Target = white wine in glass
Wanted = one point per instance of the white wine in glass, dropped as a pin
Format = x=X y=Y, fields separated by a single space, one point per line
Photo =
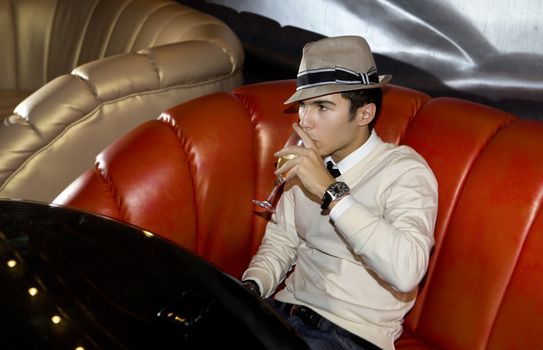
x=267 y=204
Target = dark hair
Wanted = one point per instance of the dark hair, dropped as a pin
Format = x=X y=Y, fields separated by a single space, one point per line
x=360 y=98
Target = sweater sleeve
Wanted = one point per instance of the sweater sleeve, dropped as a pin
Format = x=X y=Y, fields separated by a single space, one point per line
x=396 y=244
x=277 y=252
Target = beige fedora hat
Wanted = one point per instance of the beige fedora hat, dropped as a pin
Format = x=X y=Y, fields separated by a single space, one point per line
x=336 y=64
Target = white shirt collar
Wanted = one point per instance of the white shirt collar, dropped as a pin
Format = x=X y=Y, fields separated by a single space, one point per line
x=354 y=157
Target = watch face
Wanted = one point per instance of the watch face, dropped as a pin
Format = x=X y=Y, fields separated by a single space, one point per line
x=338 y=189
x=333 y=192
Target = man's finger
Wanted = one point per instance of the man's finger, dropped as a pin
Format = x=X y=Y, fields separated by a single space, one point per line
x=308 y=143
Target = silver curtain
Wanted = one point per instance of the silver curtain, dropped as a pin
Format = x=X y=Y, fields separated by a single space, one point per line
x=485 y=50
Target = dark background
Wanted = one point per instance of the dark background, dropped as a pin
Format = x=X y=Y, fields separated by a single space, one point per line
x=274 y=52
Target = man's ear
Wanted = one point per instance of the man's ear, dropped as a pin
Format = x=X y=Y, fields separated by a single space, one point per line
x=365 y=114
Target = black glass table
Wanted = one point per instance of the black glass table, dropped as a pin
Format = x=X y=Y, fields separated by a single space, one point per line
x=74 y=280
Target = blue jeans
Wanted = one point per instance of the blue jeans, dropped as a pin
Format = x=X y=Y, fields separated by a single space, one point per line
x=326 y=335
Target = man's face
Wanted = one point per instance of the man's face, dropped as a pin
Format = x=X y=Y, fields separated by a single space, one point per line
x=329 y=124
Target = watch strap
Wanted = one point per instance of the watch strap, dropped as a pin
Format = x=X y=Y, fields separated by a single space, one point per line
x=326 y=200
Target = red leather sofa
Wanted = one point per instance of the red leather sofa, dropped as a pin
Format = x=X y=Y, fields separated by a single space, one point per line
x=190 y=176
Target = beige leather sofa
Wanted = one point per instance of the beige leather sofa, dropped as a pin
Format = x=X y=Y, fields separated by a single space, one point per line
x=88 y=71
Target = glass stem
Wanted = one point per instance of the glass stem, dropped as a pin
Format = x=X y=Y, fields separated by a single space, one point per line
x=278 y=182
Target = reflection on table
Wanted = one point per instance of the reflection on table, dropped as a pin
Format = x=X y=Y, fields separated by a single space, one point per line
x=74 y=280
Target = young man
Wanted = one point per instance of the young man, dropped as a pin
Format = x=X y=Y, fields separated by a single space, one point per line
x=361 y=241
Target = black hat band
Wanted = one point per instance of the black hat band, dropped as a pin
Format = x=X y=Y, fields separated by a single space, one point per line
x=336 y=75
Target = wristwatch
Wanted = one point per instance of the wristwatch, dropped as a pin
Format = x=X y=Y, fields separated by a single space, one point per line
x=252 y=287
x=334 y=192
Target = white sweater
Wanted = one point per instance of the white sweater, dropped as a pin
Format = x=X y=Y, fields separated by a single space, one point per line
x=361 y=271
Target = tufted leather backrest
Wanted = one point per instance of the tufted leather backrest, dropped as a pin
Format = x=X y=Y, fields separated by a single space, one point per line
x=485 y=257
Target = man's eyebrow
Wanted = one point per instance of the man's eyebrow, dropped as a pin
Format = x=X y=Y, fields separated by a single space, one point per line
x=321 y=102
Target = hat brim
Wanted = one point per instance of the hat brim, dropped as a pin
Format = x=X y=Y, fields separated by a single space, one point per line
x=328 y=89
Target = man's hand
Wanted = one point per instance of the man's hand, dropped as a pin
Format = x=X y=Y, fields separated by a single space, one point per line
x=308 y=165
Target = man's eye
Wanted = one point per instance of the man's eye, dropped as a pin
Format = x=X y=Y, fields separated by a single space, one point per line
x=323 y=108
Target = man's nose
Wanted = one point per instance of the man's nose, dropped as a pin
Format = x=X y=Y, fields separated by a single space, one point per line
x=305 y=119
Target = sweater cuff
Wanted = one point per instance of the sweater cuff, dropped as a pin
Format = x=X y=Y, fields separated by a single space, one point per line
x=341 y=207
x=261 y=278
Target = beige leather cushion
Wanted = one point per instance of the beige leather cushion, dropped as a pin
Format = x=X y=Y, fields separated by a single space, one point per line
x=54 y=134
x=42 y=39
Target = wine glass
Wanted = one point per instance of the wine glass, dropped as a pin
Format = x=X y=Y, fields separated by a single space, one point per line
x=267 y=204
